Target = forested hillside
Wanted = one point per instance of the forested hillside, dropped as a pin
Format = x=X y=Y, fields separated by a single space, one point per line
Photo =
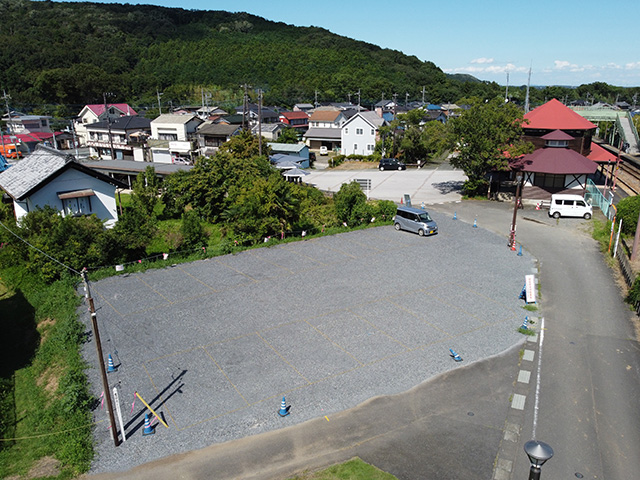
x=70 y=53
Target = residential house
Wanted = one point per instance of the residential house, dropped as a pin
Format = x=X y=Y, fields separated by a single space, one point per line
x=302 y=107
x=563 y=144
x=298 y=150
x=297 y=120
x=49 y=177
x=267 y=114
x=360 y=133
x=96 y=113
x=18 y=123
x=325 y=129
x=122 y=134
x=270 y=131
x=173 y=138
x=212 y=135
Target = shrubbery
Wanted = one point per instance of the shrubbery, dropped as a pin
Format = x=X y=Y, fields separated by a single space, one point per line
x=628 y=210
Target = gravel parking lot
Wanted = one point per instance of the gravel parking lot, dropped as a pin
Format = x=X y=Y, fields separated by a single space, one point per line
x=329 y=323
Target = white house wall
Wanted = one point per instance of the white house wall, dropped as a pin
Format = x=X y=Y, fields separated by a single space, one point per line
x=103 y=203
x=354 y=143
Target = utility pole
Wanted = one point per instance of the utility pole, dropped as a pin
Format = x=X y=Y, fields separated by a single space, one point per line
x=103 y=372
x=506 y=93
x=406 y=99
x=159 y=104
x=526 y=99
x=358 y=99
x=316 y=99
x=245 y=106
x=106 y=111
x=423 y=91
x=6 y=102
x=260 y=121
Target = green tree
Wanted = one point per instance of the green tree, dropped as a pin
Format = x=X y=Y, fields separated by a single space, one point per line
x=193 y=235
x=485 y=134
x=628 y=210
x=351 y=205
x=288 y=135
x=145 y=191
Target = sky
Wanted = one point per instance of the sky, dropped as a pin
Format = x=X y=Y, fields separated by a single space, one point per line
x=563 y=42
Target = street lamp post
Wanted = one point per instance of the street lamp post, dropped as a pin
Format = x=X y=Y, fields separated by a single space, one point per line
x=512 y=235
x=538 y=453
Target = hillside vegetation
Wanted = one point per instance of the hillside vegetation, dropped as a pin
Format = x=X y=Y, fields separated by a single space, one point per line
x=70 y=53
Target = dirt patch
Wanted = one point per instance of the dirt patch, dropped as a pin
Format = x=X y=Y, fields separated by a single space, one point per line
x=45 y=467
x=356 y=166
x=49 y=380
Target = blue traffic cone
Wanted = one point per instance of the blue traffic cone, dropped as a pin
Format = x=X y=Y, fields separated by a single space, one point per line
x=525 y=324
x=523 y=292
x=475 y=223
x=455 y=215
x=111 y=367
x=455 y=356
x=148 y=429
x=284 y=409
x=520 y=251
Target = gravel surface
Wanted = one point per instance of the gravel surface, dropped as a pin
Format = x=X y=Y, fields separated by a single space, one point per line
x=214 y=345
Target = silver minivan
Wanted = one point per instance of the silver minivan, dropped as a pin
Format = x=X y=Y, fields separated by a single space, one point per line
x=415 y=220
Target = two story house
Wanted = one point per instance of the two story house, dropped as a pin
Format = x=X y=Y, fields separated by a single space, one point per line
x=325 y=129
x=297 y=120
x=173 y=138
x=360 y=133
x=212 y=135
x=96 y=113
x=122 y=134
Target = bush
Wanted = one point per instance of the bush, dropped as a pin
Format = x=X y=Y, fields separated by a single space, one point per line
x=628 y=211
x=351 y=204
x=192 y=231
x=385 y=210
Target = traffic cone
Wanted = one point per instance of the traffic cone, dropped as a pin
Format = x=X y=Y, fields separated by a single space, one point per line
x=455 y=356
x=455 y=215
x=513 y=247
x=525 y=324
x=475 y=223
x=111 y=367
x=148 y=429
x=284 y=409
x=401 y=202
x=520 y=251
x=538 y=206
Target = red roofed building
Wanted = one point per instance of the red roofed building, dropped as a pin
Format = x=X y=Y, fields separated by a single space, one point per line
x=561 y=161
x=297 y=120
x=96 y=113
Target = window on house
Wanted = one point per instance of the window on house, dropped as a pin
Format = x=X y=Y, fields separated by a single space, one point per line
x=355 y=147
x=43 y=122
x=557 y=143
x=168 y=136
x=346 y=131
x=359 y=131
x=548 y=180
x=370 y=148
x=373 y=132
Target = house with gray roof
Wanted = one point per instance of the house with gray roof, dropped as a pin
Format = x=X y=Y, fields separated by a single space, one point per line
x=360 y=133
x=50 y=177
x=122 y=134
x=212 y=135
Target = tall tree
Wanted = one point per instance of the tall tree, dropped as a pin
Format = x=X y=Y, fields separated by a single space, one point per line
x=486 y=135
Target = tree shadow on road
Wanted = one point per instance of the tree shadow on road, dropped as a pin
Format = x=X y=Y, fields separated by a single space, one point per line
x=449 y=187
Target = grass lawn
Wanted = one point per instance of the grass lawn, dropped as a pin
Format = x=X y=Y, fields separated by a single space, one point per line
x=354 y=469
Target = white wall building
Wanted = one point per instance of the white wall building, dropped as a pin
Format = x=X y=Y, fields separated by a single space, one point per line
x=360 y=133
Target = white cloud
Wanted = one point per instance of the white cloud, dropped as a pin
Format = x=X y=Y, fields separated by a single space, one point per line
x=632 y=66
x=563 y=64
x=482 y=60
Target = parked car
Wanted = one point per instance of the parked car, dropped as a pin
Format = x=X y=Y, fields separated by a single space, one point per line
x=415 y=220
x=391 y=164
x=570 y=206
x=324 y=150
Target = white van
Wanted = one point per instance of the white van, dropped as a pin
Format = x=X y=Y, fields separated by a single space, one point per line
x=570 y=206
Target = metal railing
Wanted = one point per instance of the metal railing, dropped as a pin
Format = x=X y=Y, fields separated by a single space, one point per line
x=594 y=196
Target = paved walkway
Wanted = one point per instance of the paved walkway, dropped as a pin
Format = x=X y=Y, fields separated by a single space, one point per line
x=430 y=185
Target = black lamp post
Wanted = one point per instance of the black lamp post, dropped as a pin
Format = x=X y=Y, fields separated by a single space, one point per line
x=538 y=453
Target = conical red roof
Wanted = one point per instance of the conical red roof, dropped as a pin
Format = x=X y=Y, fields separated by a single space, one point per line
x=553 y=115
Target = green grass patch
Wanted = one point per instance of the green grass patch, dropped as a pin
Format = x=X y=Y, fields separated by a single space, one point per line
x=44 y=401
x=354 y=469
x=526 y=331
x=530 y=307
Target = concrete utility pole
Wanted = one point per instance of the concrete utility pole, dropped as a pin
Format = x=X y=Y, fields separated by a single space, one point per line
x=506 y=93
x=526 y=99
x=159 y=104
x=245 y=106
x=423 y=91
x=6 y=102
x=260 y=122
x=358 y=99
x=103 y=372
x=106 y=111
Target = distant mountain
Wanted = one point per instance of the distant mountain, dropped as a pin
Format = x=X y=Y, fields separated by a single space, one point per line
x=72 y=53
x=463 y=77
